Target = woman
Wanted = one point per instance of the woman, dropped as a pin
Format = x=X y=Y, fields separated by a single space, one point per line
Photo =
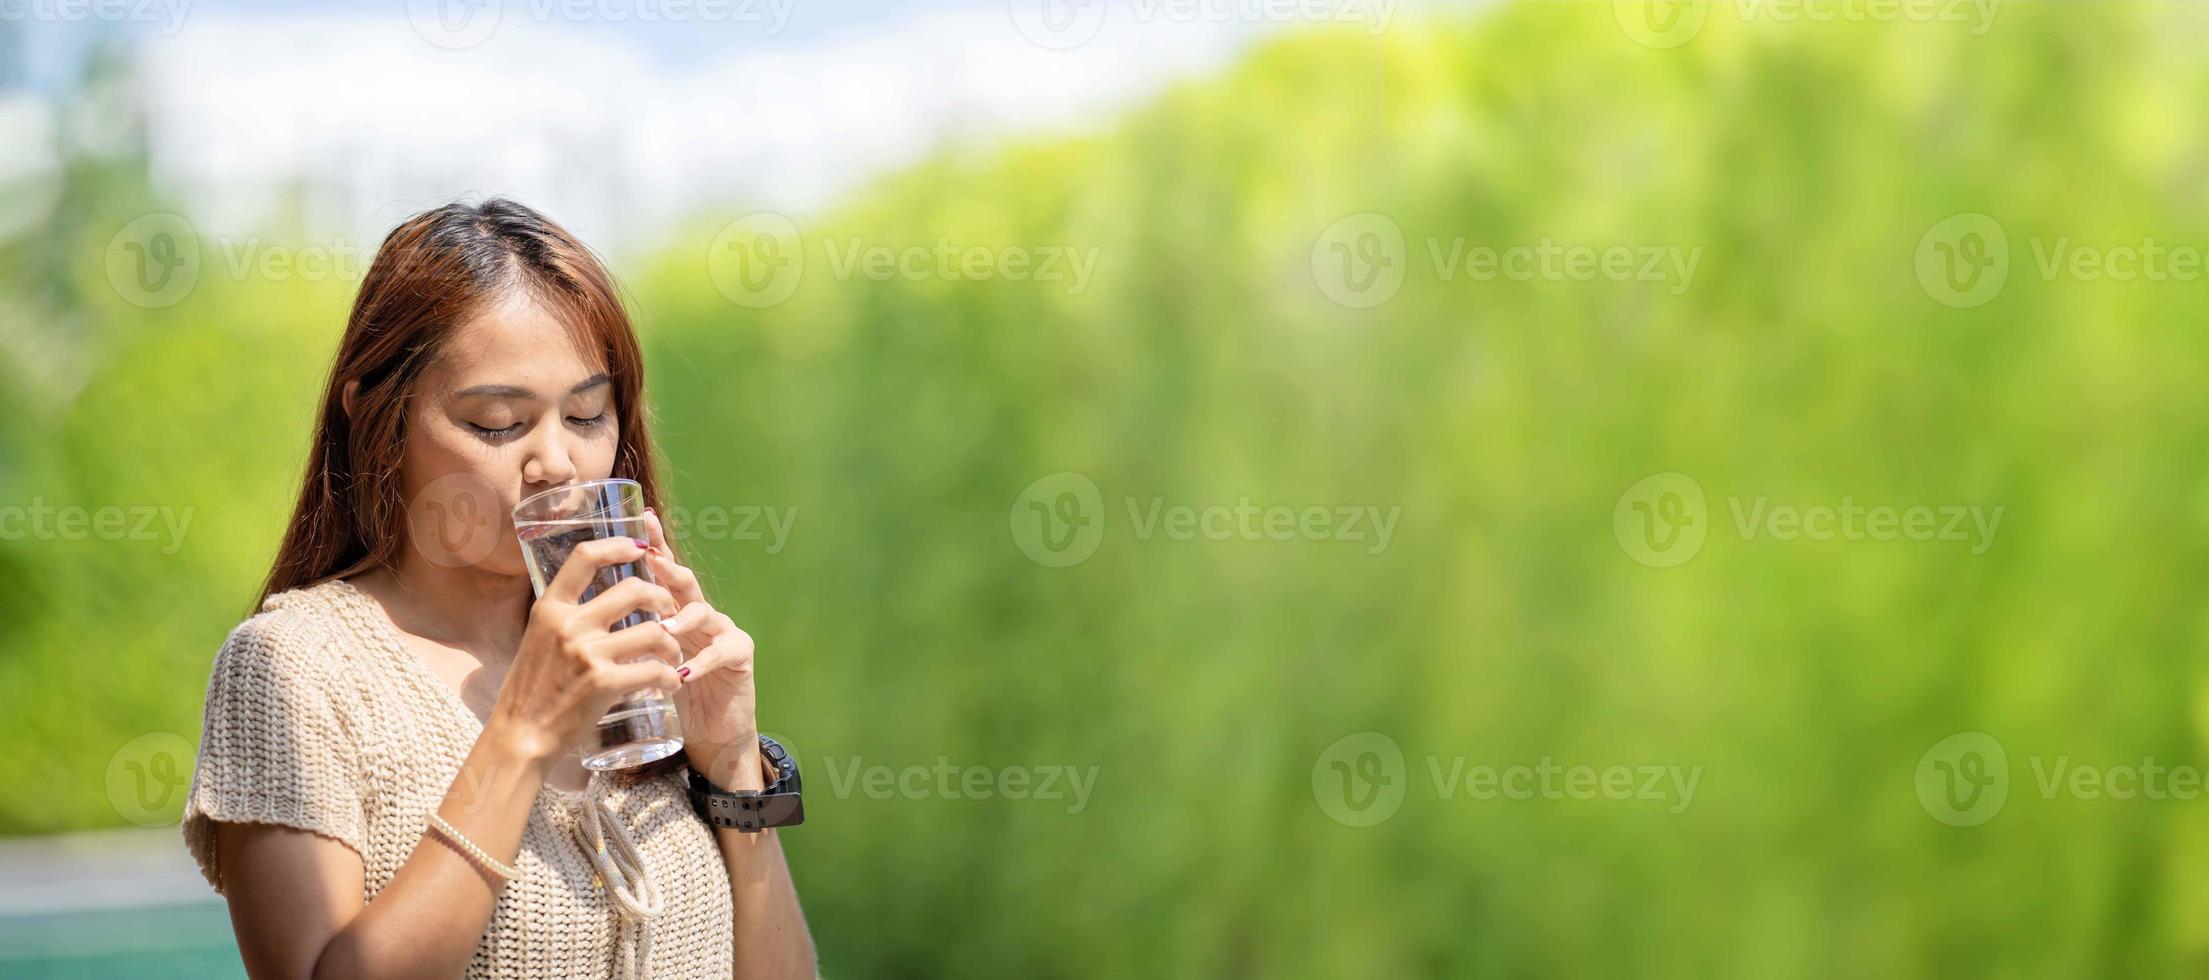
x=399 y=670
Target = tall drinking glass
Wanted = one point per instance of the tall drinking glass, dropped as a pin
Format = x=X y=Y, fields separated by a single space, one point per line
x=642 y=727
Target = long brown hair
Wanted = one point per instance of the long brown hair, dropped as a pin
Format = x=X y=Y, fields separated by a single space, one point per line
x=430 y=275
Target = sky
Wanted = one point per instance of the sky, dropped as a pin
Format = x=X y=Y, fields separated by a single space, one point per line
x=621 y=117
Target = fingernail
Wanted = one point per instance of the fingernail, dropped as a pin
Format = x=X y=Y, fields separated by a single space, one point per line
x=683 y=673
x=641 y=543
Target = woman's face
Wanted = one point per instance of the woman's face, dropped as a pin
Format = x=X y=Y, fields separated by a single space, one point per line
x=509 y=408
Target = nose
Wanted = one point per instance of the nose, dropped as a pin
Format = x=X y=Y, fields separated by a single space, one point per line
x=548 y=463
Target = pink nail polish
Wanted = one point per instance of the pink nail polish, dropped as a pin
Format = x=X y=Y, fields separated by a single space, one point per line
x=683 y=673
x=641 y=543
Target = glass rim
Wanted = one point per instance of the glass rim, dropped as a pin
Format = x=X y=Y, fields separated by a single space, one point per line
x=520 y=505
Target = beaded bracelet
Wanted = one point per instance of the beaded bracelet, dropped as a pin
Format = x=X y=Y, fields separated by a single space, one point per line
x=468 y=847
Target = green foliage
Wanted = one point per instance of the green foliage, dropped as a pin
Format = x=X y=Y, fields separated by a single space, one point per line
x=1202 y=364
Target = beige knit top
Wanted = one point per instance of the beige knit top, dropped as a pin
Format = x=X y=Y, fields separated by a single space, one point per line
x=319 y=718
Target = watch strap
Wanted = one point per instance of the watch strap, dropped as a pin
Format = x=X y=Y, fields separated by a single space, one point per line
x=751 y=811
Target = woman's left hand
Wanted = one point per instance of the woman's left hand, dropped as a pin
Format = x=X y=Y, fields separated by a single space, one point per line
x=716 y=701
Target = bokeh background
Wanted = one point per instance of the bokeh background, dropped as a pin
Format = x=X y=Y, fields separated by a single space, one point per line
x=1849 y=256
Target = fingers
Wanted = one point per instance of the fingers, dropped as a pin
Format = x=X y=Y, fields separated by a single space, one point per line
x=627 y=596
x=654 y=674
x=655 y=534
x=685 y=625
x=731 y=649
x=635 y=643
x=678 y=578
x=584 y=563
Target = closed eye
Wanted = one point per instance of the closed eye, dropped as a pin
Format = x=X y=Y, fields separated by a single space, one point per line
x=495 y=434
x=490 y=433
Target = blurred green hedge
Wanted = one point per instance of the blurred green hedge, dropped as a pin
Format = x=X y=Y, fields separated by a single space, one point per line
x=1202 y=363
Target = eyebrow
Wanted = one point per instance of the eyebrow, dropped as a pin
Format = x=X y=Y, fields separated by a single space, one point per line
x=515 y=391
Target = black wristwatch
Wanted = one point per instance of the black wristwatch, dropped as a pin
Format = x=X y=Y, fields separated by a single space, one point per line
x=753 y=810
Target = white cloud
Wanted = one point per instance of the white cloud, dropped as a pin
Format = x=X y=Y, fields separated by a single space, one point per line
x=373 y=123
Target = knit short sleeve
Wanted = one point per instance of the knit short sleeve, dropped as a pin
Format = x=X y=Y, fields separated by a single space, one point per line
x=274 y=747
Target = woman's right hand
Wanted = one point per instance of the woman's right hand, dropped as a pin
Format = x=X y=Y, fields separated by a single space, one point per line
x=572 y=666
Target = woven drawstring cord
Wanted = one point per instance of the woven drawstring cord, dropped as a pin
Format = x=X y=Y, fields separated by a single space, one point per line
x=621 y=869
